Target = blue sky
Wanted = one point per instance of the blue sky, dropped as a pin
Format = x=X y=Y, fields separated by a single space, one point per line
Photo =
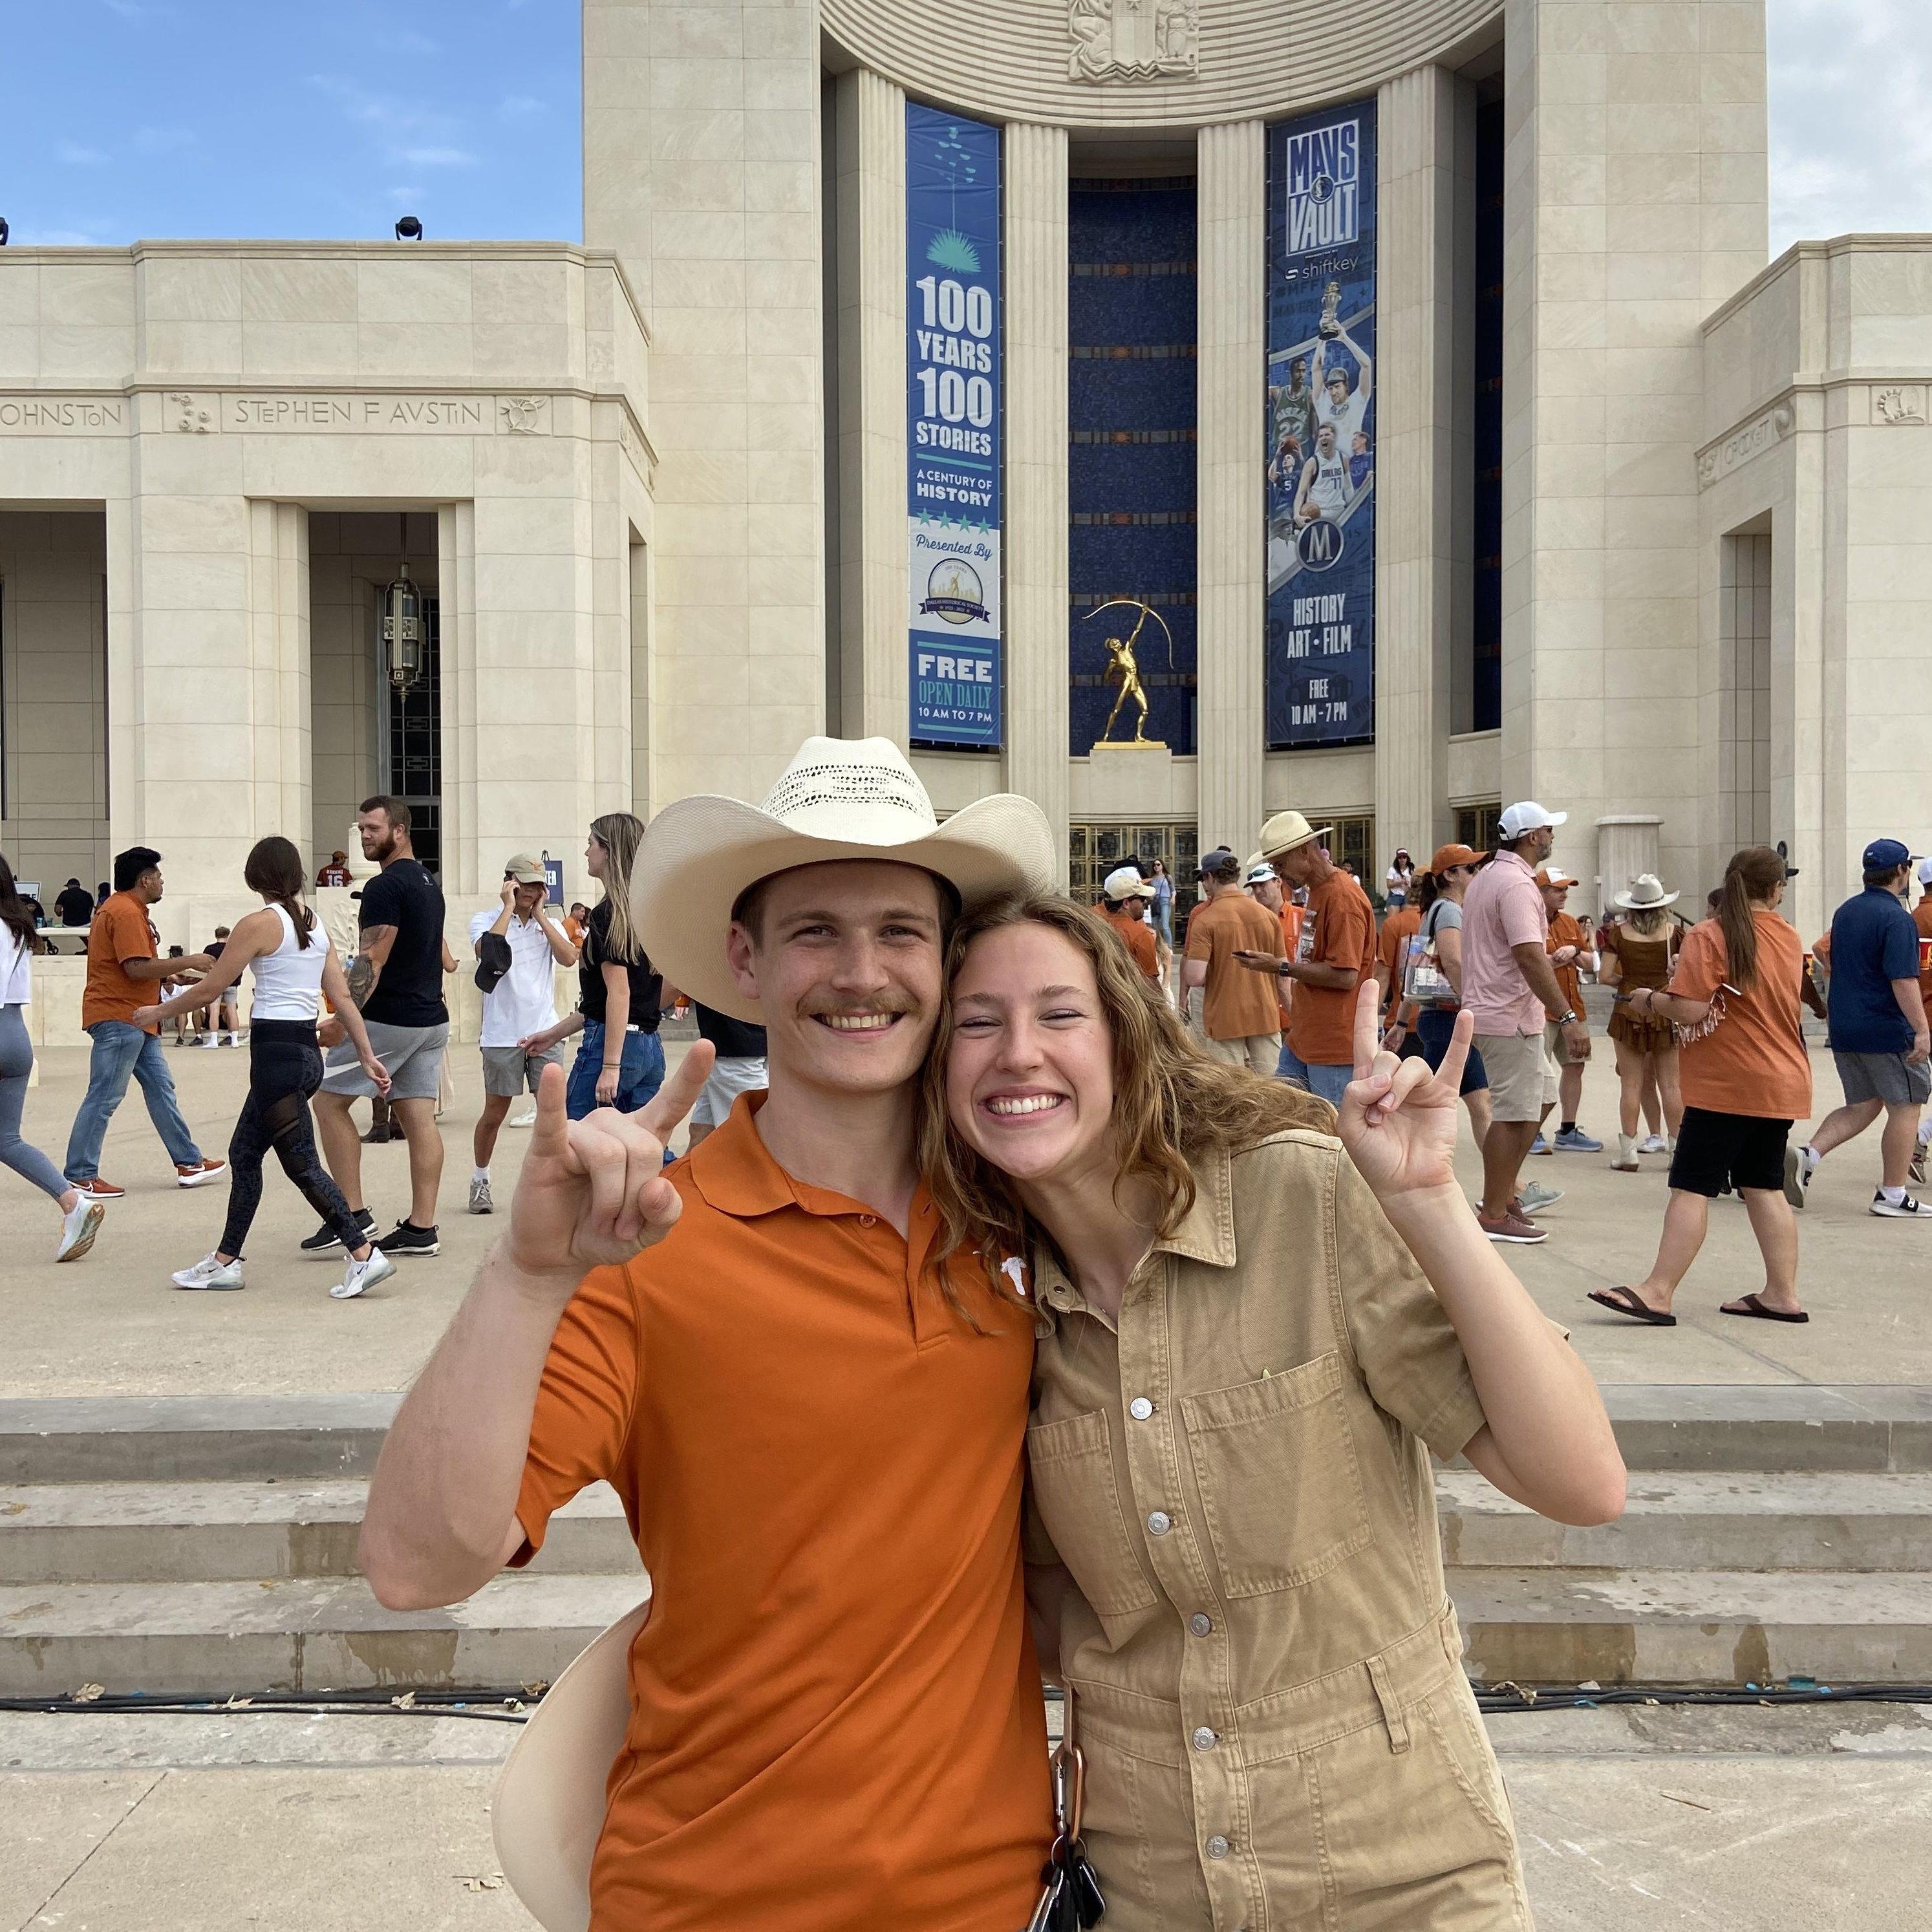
x=297 y=118
x=126 y=118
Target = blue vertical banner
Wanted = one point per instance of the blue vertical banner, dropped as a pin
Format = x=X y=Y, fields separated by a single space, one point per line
x=953 y=428
x=1321 y=638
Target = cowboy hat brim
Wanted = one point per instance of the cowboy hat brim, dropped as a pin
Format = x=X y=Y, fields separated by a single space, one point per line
x=698 y=856
x=1630 y=905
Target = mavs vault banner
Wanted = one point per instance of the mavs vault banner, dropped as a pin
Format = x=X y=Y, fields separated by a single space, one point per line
x=1322 y=428
x=953 y=426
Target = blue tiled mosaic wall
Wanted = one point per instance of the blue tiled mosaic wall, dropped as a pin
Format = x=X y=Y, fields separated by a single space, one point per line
x=1131 y=472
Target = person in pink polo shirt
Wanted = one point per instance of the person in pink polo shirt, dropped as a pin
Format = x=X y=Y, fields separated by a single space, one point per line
x=1511 y=988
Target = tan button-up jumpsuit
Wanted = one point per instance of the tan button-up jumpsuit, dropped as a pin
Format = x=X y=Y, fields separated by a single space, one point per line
x=1266 y=1666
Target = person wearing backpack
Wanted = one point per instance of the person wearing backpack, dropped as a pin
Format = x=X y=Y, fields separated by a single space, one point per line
x=1432 y=976
x=518 y=946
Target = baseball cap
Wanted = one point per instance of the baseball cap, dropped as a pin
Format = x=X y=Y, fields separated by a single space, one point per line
x=1287 y=829
x=1528 y=816
x=1124 y=882
x=1554 y=875
x=1446 y=855
x=525 y=870
x=1259 y=873
x=1882 y=855
x=1925 y=871
x=1218 y=863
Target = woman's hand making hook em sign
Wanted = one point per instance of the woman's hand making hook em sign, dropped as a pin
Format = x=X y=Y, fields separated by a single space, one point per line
x=593 y=1192
x=1398 y=1119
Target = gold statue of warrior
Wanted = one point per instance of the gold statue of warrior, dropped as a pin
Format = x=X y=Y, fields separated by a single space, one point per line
x=1123 y=668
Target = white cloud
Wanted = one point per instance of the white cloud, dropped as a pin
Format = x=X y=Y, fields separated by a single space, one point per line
x=76 y=156
x=1851 y=136
x=436 y=157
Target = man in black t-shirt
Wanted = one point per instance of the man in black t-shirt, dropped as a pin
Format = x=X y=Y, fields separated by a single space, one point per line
x=396 y=978
x=75 y=905
x=739 y=1069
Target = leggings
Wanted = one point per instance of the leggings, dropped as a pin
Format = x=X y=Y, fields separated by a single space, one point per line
x=284 y=1069
x=16 y=1062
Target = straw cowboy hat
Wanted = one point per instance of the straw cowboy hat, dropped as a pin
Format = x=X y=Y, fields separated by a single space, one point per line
x=839 y=798
x=1287 y=829
x=547 y=1813
x=1644 y=893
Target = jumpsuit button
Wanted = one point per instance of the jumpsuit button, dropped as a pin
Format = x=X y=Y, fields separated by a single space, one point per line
x=1218 y=1846
x=1159 y=1523
x=1200 y=1623
x=1206 y=1740
x=1140 y=1408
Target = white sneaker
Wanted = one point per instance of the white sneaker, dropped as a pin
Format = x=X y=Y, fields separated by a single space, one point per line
x=378 y=1267
x=1909 y=1209
x=79 y=1228
x=210 y=1273
x=1653 y=1144
x=529 y=1120
x=480 y=1202
x=1808 y=1164
x=1536 y=1197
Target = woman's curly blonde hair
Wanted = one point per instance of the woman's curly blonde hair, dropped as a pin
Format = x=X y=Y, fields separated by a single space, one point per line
x=1173 y=1103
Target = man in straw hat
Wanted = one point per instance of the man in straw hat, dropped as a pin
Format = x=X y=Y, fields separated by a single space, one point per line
x=815 y=1427
x=1511 y=987
x=1335 y=951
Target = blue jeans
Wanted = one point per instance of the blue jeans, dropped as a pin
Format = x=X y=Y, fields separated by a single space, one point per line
x=1324 y=1082
x=638 y=1079
x=119 y=1050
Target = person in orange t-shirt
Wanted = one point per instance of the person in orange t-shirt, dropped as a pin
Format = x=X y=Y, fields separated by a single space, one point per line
x=1240 y=1021
x=1337 y=953
x=1124 y=894
x=1391 y=956
x=124 y=973
x=816 y=1423
x=1746 y=1077
x=1571 y=955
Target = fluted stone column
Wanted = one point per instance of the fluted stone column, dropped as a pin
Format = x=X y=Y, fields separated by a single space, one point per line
x=1232 y=331
x=1423 y=347
x=278 y=682
x=871 y=428
x=1037 y=487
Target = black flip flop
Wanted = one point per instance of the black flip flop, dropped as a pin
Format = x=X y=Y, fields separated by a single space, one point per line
x=1634 y=1306
x=1749 y=1304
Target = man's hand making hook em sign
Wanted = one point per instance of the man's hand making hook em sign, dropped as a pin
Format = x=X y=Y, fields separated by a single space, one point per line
x=1398 y=1119
x=593 y=1192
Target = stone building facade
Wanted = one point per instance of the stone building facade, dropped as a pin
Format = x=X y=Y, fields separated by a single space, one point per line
x=1645 y=513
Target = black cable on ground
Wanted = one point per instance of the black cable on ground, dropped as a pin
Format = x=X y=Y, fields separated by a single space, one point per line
x=514 y=1707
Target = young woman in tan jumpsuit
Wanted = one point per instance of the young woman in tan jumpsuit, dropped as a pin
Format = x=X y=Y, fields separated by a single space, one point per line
x=1241 y=1369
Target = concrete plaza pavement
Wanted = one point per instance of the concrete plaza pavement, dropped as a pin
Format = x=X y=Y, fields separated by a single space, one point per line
x=112 y=1325
x=1630 y=1820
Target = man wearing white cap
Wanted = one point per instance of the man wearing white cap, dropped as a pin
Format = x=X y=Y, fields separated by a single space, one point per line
x=815 y=1424
x=1335 y=951
x=1511 y=987
x=1124 y=894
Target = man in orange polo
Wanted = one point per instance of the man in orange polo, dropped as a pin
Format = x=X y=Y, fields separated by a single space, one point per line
x=816 y=1425
x=1391 y=956
x=1124 y=894
x=1572 y=956
x=1336 y=951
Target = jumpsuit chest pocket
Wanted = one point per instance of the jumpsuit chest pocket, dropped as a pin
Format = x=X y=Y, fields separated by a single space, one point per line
x=1078 y=1499
x=1280 y=1486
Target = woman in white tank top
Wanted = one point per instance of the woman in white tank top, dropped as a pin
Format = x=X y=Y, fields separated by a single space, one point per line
x=294 y=967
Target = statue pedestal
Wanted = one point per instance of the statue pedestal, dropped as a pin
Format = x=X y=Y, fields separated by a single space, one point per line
x=1127 y=779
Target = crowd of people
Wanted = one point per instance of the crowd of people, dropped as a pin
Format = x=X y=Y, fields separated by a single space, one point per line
x=323 y=1033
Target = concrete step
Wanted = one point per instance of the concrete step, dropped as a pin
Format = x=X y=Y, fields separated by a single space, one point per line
x=195 y=1532
x=1712 y=1626
x=298 y=1634
x=195 y=1438
x=1529 y=1626
x=1796 y=1520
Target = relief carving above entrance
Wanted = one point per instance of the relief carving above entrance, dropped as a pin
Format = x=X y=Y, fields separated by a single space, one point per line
x=1132 y=40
